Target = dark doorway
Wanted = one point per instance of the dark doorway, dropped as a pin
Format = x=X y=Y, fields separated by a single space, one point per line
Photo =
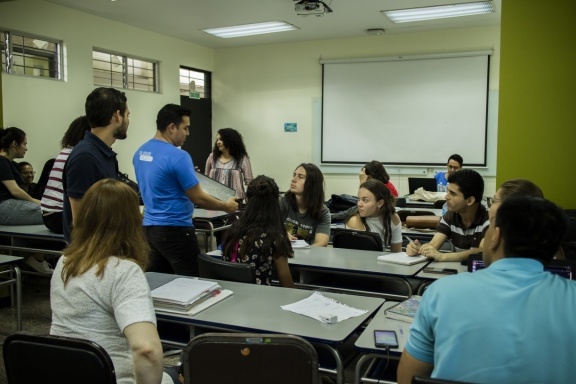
x=199 y=143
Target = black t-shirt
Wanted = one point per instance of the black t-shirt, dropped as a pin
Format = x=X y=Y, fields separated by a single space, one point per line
x=9 y=171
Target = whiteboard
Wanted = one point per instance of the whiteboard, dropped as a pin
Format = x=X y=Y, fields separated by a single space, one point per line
x=405 y=111
x=215 y=188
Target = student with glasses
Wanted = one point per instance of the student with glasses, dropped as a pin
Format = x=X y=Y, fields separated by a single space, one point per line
x=455 y=163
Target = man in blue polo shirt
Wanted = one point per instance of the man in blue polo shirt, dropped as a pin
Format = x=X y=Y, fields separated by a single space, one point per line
x=169 y=188
x=512 y=322
x=93 y=158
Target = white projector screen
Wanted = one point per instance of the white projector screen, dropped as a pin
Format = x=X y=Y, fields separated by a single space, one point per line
x=414 y=111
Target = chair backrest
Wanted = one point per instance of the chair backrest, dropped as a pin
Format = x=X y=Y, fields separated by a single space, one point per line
x=54 y=359
x=353 y=239
x=211 y=268
x=219 y=358
x=438 y=204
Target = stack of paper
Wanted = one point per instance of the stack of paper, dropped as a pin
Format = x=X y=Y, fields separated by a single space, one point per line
x=299 y=244
x=318 y=307
x=182 y=294
x=402 y=258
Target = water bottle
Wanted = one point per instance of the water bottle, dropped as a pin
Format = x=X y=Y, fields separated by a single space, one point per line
x=440 y=188
x=444 y=208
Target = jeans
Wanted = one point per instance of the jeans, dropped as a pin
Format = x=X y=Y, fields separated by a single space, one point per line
x=20 y=212
x=173 y=250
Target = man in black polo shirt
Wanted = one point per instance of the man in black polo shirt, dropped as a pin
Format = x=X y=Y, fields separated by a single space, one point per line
x=465 y=223
x=93 y=158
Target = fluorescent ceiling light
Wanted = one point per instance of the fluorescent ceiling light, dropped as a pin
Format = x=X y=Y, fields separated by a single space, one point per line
x=250 y=29
x=440 y=12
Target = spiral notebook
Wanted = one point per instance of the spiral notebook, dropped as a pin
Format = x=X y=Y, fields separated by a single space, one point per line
x=317 y=306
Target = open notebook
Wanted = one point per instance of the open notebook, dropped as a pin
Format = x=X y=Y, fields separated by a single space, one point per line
x=402 y=258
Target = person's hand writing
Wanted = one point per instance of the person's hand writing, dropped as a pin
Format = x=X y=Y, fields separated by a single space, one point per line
x=292 y=238
x=413 y=248
x=231 y=205
x=430 y=252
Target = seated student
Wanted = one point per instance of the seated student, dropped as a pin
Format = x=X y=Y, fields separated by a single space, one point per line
x=27 y=172
x=464 y=224
x=52 y=200
x=512 y=322
x=303 y=210
x=99 y=291
x=376 y=170
x=455 y=163
x=376 y=213
x=258 y=237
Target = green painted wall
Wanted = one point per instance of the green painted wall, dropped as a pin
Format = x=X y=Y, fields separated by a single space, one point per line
x=537 y=118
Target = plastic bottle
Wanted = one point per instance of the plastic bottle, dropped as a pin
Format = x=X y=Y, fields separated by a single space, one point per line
x=444 y=209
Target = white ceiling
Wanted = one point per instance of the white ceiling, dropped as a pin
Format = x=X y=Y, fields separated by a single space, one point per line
x=184 y=19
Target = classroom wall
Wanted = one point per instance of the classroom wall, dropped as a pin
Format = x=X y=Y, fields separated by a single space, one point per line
x=258 y=89
x=537 y=134
x=44 y=108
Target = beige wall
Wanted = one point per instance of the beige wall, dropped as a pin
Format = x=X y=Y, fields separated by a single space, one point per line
x=44 y=108
x=258 y=89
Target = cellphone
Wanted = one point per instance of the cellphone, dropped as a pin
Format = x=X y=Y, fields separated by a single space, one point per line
x=443 y=271
x=385 y=339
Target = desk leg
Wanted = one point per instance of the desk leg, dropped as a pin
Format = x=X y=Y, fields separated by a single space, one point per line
x=16 y=271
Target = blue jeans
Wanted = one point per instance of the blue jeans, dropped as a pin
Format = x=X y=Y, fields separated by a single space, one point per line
x=173 y=250
x=20 y=212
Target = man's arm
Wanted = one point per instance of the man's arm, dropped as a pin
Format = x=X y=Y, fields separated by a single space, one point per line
x=428 y=251
x=321 y=240
x=146 y=352
x=409 y=367
x=74 y=207
x=197 y=195
x=414 y=248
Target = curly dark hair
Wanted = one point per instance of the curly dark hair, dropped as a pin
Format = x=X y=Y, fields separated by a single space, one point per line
x=75 y=132
x=232 y=140
x=262 y=214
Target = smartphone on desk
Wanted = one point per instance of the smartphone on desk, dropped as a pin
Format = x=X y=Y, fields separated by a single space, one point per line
x=442 y=271
x=385 y=339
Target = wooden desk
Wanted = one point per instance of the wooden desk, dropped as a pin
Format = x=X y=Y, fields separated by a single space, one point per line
x=255 y=308
x=15 y=282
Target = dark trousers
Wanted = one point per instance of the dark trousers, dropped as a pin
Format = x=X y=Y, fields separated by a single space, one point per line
x=53 y=222
x=173 y=250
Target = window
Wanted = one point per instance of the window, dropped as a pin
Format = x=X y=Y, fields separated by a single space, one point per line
x=30 y=55
x=195 y=81
x=120 y=71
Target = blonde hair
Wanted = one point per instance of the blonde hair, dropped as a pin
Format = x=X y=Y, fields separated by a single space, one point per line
x=108 y=224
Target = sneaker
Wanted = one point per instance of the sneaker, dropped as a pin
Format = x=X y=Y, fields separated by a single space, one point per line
x=39 y=266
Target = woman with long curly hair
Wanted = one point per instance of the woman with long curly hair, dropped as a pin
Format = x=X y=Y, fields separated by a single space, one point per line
x=229 y=162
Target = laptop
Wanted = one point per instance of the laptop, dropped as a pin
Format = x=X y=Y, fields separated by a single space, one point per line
x=563 y=268
x=429 y=184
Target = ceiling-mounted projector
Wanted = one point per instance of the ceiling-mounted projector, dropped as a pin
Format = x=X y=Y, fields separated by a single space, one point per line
x=311 y=8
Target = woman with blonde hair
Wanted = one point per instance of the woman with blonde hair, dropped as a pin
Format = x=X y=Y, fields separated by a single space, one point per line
x=99 y=291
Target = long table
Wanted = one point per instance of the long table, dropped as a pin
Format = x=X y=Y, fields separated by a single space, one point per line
x=208 y=222
x=13 y=279
x=254 y=308
x=31 y=238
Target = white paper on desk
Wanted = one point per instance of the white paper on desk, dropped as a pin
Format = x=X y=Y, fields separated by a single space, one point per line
x=318 y=304
x=299 y=244
x=402 y=258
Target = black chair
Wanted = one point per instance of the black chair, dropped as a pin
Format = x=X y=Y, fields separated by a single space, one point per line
x=353 y=239
x=429 y=380
x=211 y=268
x=219 y=358
x=54 y=359
x=438 y=204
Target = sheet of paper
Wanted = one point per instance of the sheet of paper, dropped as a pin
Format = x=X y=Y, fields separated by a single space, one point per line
x=318 y=304
x=299 y=244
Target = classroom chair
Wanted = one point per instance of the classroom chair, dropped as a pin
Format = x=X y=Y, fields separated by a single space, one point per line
x=352 y=239
x=211 y=268
x=219 y=358
x=53 y=359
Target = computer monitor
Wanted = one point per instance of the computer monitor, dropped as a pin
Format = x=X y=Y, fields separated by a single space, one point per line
x=429 y=184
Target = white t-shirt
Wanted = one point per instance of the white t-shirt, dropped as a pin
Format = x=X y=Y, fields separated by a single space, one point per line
x=99 y=309
x=375 y=225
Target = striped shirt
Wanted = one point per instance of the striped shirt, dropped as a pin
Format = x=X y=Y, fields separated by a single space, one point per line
x=54 y=192
x=464 y=239
x=230 y=173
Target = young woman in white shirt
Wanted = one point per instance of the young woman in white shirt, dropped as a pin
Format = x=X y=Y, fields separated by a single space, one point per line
x=376 y=213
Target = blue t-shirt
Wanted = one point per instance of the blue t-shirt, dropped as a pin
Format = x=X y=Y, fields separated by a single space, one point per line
x=164 y=173
x=441 y=178
x=509 y=323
